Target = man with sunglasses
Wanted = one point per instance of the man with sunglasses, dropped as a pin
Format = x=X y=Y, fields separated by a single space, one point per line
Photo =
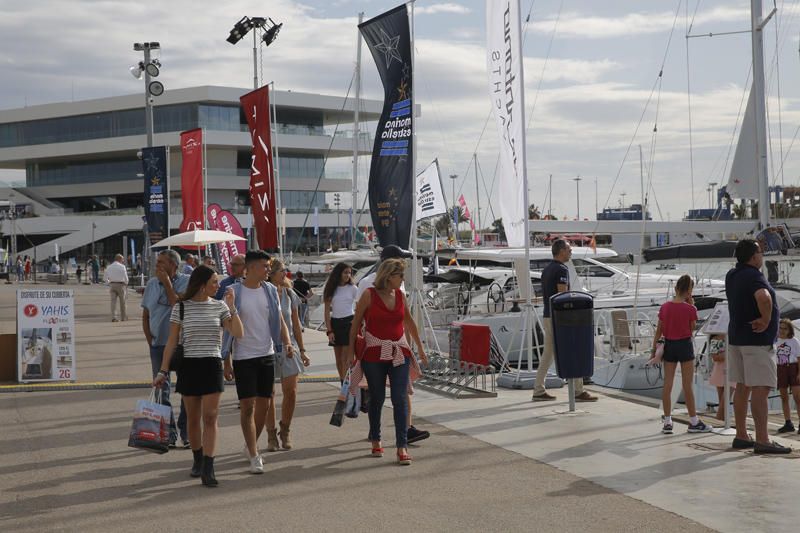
x=160 y=294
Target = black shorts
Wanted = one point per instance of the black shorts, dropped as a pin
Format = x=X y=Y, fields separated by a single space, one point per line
x=254 y=377
x=678 y=351
x=341 y=330
x=199 y=376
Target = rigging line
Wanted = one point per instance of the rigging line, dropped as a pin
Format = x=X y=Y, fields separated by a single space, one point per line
x=641 y=117
x=778 y=81
x=301 y=238
x=789 y=150
x=488 y=199
x=429 y=95
x=544 y=66
x=689 y=104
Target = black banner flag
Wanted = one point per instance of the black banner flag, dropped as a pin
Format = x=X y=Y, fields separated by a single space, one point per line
x=391 y=176
x=156 y=195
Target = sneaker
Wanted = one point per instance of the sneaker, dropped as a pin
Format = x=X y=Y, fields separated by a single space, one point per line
x=585 y=397
x=788 y=427
x=543 y=397
x=770 y=448
x=256 y=465
x=666 y=429
x=700 y=427
x=172 y=445
x=416 y=435
x=186 y=445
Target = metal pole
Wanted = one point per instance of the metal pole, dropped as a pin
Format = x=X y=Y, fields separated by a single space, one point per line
x=455 y=214
x=477 y=191
x=596 y=210
x=550 y=206
x=578 y=193
x=276 y=163
x=356 y=132
x=205 y=178
x=641 y=177
x=168 y=191
x=148 y=106
x=255 y=58
x=757 y=35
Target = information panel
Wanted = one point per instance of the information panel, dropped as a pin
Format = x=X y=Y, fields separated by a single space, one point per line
x=45 y=335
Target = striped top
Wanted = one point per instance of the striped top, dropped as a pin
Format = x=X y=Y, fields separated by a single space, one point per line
x=201 y=326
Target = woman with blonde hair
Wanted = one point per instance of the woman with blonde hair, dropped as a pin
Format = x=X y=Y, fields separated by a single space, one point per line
x=383 y=311
x=287 y=366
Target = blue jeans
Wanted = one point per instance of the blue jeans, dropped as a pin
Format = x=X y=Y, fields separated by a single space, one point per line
x=303 y=312
x=156 y=356
x=398 y=385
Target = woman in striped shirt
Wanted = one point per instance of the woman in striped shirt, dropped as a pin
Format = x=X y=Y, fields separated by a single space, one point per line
x=200 y=379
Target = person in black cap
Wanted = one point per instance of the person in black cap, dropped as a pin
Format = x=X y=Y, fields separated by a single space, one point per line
x=392 y=251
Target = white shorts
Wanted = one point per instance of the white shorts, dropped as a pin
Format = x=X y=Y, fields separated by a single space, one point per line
x=755 y=366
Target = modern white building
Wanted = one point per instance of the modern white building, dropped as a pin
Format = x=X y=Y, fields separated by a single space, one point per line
x=83 y=177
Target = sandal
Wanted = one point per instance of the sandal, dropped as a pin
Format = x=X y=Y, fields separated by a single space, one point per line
x=377 y=452
x=403 y=459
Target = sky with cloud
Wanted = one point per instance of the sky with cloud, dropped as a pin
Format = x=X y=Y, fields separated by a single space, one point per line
x=593 y=91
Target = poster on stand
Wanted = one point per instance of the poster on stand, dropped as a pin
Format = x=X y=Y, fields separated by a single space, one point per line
x=45 y=335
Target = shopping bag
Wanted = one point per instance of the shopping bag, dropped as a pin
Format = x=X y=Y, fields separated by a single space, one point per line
x=150 y=428
x=341 y=402
x=353 y=405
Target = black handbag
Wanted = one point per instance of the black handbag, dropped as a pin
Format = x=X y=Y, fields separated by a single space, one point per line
x=176 y=361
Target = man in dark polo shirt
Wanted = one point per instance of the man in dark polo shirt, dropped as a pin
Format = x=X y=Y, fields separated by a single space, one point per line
x=752 y=331
x=555 y=279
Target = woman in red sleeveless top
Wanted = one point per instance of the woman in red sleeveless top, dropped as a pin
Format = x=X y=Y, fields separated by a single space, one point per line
x=383 y=311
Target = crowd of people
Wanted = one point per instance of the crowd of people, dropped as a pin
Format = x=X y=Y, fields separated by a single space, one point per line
x=248 y=328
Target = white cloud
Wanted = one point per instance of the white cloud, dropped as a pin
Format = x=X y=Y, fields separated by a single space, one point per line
x=448 y=7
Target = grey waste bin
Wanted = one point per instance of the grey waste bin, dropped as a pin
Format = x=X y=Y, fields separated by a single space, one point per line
x=572 y=313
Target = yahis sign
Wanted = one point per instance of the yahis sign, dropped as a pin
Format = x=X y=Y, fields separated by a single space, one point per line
x=45 y=335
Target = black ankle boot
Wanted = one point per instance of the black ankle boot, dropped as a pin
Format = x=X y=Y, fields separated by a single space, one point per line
x=208 y=478
x=197 y=465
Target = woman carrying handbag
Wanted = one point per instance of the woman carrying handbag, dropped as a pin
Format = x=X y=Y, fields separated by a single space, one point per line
x=200 y=379
x=383 y=311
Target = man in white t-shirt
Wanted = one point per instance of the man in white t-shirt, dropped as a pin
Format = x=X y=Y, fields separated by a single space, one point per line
x=393 y=252
x=117 y=279
x=251 y=358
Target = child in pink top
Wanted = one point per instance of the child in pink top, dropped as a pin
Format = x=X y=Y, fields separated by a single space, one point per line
x=676 y=321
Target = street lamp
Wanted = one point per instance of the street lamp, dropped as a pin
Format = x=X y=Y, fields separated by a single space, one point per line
x=246 y=24
x=337 y=200
x=151 y=69
x=577 y=181
x=711 y=186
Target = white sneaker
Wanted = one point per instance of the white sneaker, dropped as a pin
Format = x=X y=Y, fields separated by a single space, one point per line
x=256 y=465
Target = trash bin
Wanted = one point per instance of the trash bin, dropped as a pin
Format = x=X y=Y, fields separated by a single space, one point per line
x=572 y=314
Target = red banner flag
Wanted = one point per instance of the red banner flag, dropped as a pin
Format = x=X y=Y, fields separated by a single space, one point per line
x=222 y=220
x=262 y=178
x=192 y=180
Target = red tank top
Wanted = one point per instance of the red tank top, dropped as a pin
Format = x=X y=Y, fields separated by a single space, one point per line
x=384 y=323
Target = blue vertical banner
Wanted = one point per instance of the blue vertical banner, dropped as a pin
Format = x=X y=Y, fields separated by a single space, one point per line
x=156 y=196
x=391 y=175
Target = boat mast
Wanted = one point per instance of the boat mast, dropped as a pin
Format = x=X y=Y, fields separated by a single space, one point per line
x=356 y=134
x=757 y=36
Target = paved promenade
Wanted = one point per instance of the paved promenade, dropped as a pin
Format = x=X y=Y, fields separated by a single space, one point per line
x=501 y=464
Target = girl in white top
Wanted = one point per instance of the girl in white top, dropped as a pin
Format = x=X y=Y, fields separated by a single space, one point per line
x=339 y=297
x=787 y=350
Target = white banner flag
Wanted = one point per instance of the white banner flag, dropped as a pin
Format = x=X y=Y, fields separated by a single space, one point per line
x=430 y=197
x=504 y=63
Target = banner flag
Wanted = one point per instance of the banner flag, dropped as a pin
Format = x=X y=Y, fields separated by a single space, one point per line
x=504 y=67
x=221 y=220
x=192 y=180
x=391 y=172
x=262 y=177
x=156 y=196
x=316 y=220
x=430 y=195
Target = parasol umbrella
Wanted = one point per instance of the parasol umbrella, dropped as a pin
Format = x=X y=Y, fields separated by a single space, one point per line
x=200 y=237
